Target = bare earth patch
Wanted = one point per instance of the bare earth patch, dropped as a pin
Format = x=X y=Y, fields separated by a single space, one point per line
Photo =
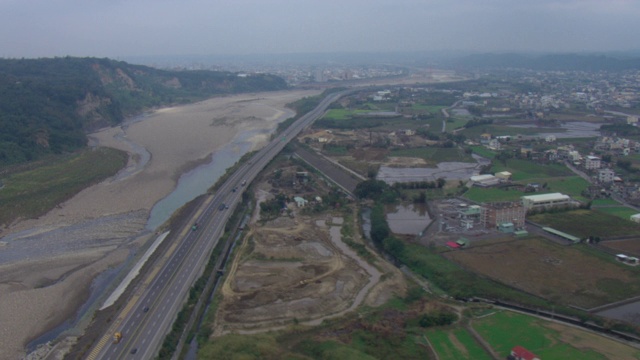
x=298 y=270
x=548 y=270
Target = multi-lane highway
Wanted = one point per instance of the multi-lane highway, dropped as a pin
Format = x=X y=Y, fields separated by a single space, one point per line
x=149 y=314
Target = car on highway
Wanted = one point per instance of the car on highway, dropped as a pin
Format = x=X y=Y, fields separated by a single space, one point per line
x=134 y=351
x=222 y=206
x=146 y=308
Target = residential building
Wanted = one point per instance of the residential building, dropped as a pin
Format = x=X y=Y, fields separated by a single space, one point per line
x=592 y=162
x=493 y=215
x=605 y=175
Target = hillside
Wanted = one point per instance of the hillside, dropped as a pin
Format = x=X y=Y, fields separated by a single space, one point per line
x=47 y=105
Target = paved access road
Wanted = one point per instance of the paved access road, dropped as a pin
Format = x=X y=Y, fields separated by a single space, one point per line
x=149 y=314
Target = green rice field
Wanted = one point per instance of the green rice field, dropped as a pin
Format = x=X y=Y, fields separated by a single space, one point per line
x=456 y=344
x=504 y=330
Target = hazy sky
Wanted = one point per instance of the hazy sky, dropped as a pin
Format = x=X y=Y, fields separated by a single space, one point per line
x=112 y=28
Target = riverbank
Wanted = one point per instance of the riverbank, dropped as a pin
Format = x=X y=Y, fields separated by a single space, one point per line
x=104 y=224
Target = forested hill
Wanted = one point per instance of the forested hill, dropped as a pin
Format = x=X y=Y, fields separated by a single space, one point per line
x=48 y=105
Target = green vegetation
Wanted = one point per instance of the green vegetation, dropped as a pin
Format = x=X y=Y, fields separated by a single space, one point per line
x=483 y=151
x=342 y=114
x=604 y=202
x=585 y=223
x=442 y=343
x=527 y=170
x=245 y=347
x=433 y=109
x=46 y=105
x=455 y=122
x=622 y=212
x=351 y=123
x=504 y=330
x=33 y=189
x=571 y=185
x=270 y=209
x=376 y=190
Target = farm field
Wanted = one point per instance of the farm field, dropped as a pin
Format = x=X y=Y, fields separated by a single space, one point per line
x=500 y=130
x=628 y=246
x=433 y=109
x=559 y=273
x=504 y=329
x=455 y=122
x=525 y=170
x=342 y=114
x=456 y=344
x=583 y=223
x=622 y=212
x=604 y=202
x=483 y=151
x=571 y=185
x=435 y=155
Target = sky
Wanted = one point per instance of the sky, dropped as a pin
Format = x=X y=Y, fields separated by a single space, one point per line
x=120 y=28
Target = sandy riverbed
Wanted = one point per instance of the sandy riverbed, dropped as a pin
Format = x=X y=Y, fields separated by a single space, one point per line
x=47 y=264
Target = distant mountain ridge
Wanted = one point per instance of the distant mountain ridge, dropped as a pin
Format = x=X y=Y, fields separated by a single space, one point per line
x=550 y=62
x=47 y=105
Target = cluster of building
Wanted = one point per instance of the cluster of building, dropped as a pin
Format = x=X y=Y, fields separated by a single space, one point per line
x=596 y=90
x=508 y=216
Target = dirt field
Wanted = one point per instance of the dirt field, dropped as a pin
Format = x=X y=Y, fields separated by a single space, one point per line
x=586 y=340
x=629 y=247
x=298 y=269
x=551 y=271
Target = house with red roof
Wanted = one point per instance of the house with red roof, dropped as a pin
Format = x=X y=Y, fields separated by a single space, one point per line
x=520 y=353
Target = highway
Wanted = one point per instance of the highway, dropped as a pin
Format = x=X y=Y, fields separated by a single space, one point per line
x=148 y=315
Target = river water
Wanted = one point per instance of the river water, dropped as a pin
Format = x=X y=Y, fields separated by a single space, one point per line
x=197 y=181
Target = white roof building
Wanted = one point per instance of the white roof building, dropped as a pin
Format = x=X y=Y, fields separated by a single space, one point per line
x=485 y=180
x=635 y=218
x=545 y=200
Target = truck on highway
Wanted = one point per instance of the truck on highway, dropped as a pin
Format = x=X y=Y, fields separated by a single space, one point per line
x=117 y=337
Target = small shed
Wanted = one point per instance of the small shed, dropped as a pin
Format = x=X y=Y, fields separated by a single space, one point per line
x=507 y=227
x=521 y=233
x=520 y=353
x=635 y=218
x=453 y=245
x=301 y=202
x=503 y=175
x=462 y=242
